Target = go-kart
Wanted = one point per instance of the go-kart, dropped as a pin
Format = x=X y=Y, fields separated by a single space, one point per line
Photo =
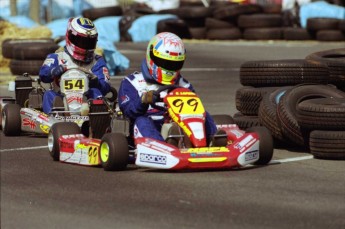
x=24 y=114
x=185 y=147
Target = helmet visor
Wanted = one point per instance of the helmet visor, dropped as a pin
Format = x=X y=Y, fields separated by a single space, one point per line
x=166 y=64
x=82 y=42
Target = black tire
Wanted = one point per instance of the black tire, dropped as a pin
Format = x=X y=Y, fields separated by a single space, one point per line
x=198 y=32
x=272 y=8
x=282 y=73
x=55 y=132
x=34 y=51
x=19 y=67
x=316 y=24
x=246 y=121
x=342 y=25
x=298 y=34
x=189 y=12
x=322 y=114
x=8 y=45
x=287 y=109
x=11 y=120
x=259 y=21
x=224 y=34
x=233 y=11
x=248 y=99
x=268 y=112
x=212 y=23
x=266 y=144
x=223 y=119
x=176 y=26
x=330 y=35
x=95 y=13
x=263 y=34
x=327 y=144
x=334 y=60
x=114 y=152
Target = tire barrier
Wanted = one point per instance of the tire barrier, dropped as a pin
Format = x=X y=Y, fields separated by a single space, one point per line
x=301 y=102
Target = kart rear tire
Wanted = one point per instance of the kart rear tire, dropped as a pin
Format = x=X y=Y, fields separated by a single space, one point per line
x=266 y=144
x=11 y=120
x=57 y=130
x=114 y=152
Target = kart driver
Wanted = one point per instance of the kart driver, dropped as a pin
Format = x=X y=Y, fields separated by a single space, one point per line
x=81 y=40
x=165 y=56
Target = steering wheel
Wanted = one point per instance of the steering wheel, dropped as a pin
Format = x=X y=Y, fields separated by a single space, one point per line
x=112 y=94
x=90 y=74
x=156 y=93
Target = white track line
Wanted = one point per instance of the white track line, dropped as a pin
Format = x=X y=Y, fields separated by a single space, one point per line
x=292 y=159
x=23 y=148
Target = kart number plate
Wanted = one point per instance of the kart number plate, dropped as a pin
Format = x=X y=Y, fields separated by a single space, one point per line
x=186 y=105
x=74 y=85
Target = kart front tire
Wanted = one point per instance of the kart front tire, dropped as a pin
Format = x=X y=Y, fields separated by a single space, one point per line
x=114 y=152
x=57 y=130
x=266 y=144
x=11 y=120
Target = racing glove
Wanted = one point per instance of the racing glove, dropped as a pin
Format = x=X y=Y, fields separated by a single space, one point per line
x=149 y=97
x=58 y=71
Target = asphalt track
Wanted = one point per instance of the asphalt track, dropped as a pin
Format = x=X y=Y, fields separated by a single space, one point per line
x=294 y=191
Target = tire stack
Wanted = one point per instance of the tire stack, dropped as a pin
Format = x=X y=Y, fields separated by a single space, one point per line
x=326 y=29
x=225 y=20
x=231 y=14
x=294 y=100
x=96 y=13
x=261 y=26
x=27 y=55
x=325 y=118
x=194 y=17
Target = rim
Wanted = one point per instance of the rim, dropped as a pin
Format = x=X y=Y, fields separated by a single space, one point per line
x=50 y=142
x=104 y=152
x=3 y=120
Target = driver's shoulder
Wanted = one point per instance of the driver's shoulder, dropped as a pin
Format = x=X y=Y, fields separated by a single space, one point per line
x=135 y=76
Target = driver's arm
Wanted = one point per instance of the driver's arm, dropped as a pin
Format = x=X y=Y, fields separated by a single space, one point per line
x=101 y=71
x=185 y=83
x=49 y=64
x=129 y=100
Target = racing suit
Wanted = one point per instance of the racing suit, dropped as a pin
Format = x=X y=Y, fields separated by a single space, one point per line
x=61 y=57
x=147 y=121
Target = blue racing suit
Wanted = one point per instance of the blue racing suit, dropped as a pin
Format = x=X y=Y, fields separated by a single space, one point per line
x=61 y=57
x=147 y=121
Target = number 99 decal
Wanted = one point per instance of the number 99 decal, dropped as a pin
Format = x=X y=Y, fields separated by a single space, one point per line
x=186 y=105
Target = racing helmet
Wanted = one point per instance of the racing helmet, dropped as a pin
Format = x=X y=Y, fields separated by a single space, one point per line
x=81 y=39
x=165 y=56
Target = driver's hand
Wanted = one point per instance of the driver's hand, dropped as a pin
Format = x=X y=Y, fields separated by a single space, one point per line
x=58 y=70
x=149 y=97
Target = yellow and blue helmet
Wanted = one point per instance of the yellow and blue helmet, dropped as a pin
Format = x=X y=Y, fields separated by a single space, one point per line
x=165 y=56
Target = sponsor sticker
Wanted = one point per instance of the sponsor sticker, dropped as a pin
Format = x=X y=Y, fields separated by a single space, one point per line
x=45 y=128
x=49 y=61
x=252 y=155
x=206 y=150
x=106 y=73
x=152 y=158
x=30 y=123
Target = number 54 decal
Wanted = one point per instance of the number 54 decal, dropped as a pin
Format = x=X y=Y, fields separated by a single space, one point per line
x=74 y=84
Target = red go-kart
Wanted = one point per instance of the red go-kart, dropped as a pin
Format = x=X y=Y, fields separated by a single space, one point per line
x=186 y=145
